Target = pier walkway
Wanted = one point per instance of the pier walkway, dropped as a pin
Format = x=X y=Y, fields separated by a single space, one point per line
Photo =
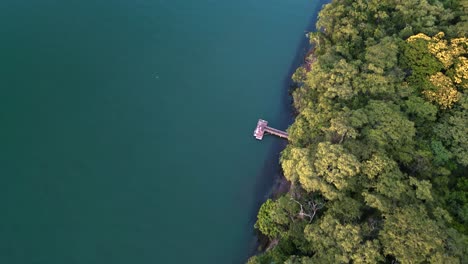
x=262 y=127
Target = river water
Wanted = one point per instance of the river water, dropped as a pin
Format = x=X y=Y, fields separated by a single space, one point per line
x=126 y=126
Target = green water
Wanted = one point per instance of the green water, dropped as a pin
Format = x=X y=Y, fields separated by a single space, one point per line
x=126 y=126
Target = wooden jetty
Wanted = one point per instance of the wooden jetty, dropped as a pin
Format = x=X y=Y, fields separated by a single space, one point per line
x=262 y=128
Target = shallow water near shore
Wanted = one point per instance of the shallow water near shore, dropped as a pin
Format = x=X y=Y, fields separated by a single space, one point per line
x=127 y=126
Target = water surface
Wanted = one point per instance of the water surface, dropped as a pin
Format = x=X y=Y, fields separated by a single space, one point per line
x=127 y=126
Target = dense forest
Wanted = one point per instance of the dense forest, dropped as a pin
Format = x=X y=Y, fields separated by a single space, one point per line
x=378 y=153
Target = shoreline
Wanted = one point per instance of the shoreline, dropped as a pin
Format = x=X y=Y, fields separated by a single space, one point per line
x=280 y=184
x=273 y=187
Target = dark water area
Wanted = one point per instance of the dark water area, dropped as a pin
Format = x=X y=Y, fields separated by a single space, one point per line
x=127 y=126
x=270 y=181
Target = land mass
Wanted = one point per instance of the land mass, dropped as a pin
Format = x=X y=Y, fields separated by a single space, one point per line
x=378 y=152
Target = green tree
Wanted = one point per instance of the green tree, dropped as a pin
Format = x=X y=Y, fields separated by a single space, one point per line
x=271 y=220
x=333 y=169
x=419 y=62
x=334 y=242
x=452 y=130
x=296 y=163
x=383 y=55
x=410 y=236
x=389 y=130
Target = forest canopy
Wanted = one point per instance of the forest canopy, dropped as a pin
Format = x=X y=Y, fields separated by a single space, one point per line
x=378 y=153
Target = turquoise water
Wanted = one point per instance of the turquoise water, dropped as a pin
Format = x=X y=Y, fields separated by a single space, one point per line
x=127 y=126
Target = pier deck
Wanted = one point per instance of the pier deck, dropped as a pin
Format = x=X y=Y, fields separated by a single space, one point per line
x=262 y=128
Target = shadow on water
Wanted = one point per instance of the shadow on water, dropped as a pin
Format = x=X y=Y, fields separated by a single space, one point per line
x=269 y=180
